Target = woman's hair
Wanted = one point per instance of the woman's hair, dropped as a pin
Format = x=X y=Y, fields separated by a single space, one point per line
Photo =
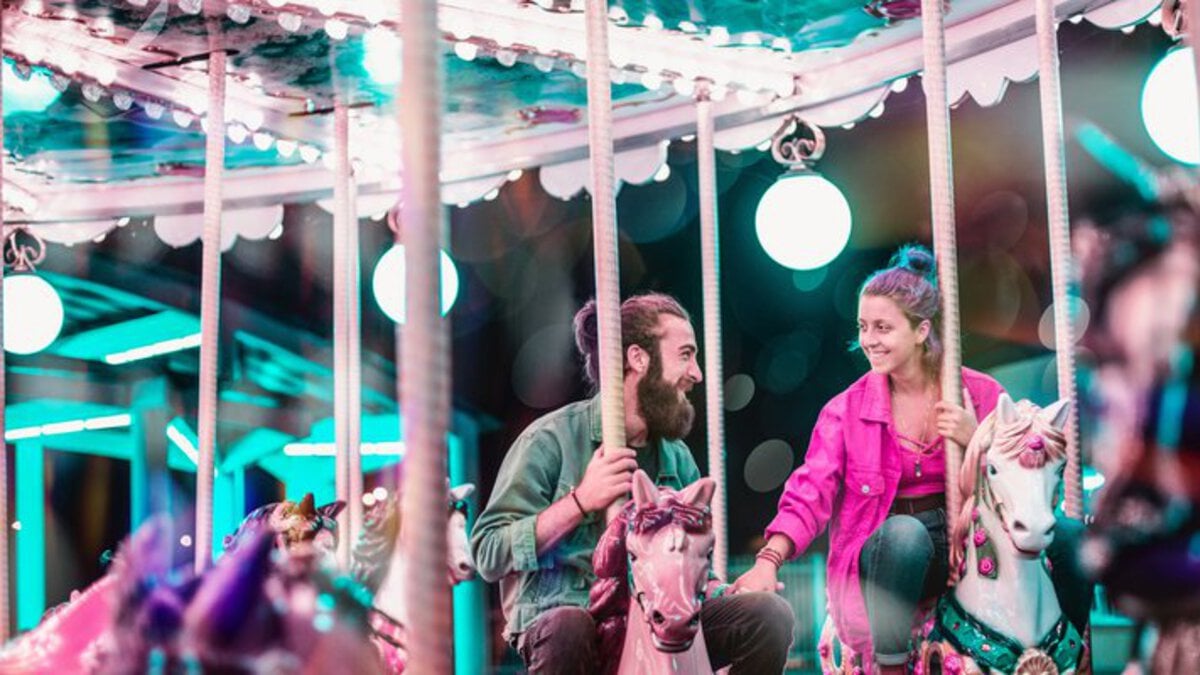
x=910 y=281
x=639 y=326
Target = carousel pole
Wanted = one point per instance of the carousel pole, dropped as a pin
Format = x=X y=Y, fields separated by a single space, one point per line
x=4 y=528
x=941 y=184
x=341 y=327
x=1054 y=155
x=710 y=260
x=604 y=233
x=354 y=335
x=1193 y=20
x=425 y=362
x=210 y=291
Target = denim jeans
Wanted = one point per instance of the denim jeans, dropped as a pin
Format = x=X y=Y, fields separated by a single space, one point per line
x=907 y=561
x=750 y=632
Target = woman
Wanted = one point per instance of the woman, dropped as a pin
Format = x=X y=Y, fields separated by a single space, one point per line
x=875 y=473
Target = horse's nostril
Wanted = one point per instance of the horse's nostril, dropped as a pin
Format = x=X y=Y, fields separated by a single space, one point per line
x=464 y=567
x=1049 y=530
x=1019 y=526
x=695 y=620
x=657 y=617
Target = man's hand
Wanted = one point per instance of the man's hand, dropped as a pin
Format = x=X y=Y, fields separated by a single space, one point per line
x=608 y=476
x=762 y=578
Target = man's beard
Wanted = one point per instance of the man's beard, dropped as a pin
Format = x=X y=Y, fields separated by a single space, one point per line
x=666 y=413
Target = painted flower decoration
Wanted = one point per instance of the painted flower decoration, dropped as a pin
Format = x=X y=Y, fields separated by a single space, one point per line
x=952 y=664
x=918 y=668
x=987 y=566
x=824 y=650
x=975 y=515
x=980 y=537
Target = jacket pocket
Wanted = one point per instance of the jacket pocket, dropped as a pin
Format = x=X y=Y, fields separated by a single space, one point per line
x=864 y=483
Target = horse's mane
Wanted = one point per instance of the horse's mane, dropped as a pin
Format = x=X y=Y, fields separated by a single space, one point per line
x=991 y=436
x=608 y=601
x=373 y=550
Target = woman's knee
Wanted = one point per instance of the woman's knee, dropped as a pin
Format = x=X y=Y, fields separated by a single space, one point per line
x=906 y=537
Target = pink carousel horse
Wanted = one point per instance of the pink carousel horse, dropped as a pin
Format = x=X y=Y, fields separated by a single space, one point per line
x=659 y=554
x=1002 y=615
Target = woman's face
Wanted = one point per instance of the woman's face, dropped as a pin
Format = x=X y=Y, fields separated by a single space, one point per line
x=888 y=339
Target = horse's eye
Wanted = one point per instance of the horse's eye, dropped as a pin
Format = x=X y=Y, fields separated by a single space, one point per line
x=992 y=470
x=632 y=557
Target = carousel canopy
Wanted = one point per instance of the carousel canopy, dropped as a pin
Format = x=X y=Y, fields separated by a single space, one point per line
x=118 y=92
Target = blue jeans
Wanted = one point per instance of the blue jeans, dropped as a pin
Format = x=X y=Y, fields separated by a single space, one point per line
x=907 y=561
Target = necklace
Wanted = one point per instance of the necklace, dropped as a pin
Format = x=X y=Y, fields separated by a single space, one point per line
x=922 y=449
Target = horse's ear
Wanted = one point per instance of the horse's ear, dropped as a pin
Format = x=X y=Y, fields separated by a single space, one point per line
x=699 y=493
x=1006 y=410
x=332 y=509
x=1056 y=413
x=644 y=492
x=461 y=491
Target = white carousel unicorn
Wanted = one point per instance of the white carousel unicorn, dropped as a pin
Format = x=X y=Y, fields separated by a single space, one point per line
x=1003 y=615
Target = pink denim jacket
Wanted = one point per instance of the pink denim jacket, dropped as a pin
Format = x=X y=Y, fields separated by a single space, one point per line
x=848 y=482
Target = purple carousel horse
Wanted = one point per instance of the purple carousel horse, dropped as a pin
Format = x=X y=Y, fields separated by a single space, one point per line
x=659 y=554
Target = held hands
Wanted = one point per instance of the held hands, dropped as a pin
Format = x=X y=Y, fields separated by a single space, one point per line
x=762 y=578
x=955 y=423
x=608 y=476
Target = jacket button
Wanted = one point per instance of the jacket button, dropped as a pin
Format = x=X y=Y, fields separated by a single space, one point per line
x=866 y=489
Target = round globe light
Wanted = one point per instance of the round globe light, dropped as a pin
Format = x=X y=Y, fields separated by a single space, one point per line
x=388 y=283
x=1169 y=108
x=33 y=314
x=803 y=221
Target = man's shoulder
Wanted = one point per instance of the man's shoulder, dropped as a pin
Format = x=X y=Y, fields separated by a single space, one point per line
x=570 y=419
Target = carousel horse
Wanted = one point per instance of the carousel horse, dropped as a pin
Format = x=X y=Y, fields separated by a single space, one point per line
x=659 y=554
x=379 y=565
x=72 y=635
x=254 y=611
x=1002 y=615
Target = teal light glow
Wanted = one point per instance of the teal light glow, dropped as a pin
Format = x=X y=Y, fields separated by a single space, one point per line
x=388 y=283
x=381 y=55
x=1169 y=107
x=31 y=537
x=33 y=314
x=299 y=449
x=154 y=349
x=33 y=94
x=803 y=221
x=68 y=427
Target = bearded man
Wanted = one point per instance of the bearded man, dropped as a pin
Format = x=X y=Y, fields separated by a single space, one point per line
x=546 y=511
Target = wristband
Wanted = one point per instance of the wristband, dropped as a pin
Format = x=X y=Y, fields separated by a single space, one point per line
x=578 y=504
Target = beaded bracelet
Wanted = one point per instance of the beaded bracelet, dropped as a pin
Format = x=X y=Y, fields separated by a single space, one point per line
x=770 y=555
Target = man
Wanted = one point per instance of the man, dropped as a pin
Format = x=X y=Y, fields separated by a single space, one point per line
x=546 y=512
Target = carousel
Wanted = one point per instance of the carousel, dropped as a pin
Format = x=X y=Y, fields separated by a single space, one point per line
x=208 y=123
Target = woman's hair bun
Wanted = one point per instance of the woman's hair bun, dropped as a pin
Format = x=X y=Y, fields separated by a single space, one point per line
x=916 y=258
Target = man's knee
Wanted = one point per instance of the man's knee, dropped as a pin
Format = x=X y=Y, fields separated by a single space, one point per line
x=567 y=625
x=562 y=640
x=772 y=614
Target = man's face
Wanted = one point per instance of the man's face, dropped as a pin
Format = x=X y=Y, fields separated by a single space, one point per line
x=673 y=371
